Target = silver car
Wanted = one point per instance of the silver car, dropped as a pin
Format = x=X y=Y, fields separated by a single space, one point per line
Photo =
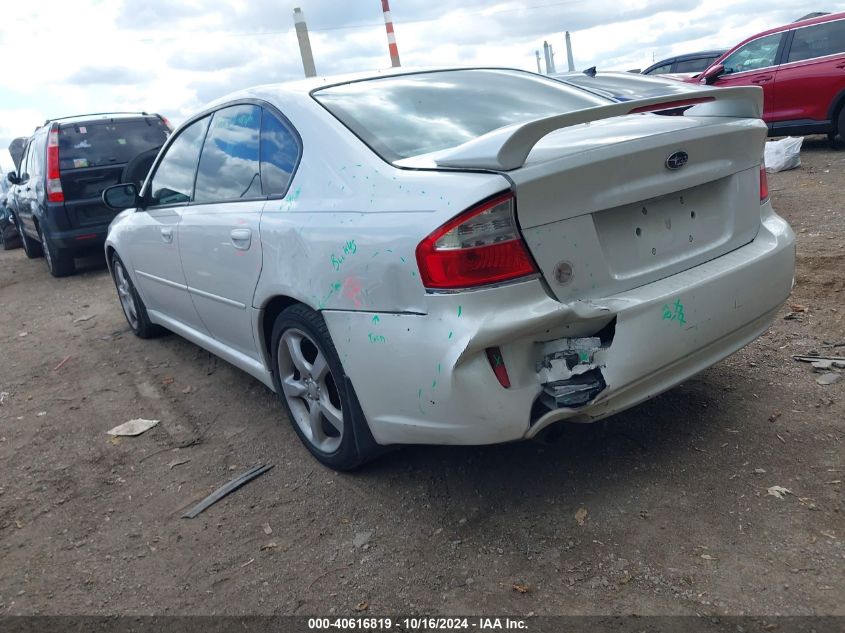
x=455 y=256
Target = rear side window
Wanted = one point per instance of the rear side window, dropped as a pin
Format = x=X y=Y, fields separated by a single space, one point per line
x=37 y=156
x=693 y=65
x=228 y=168
x=173 y=182
x=279 y=153
x=409 y=115
x=761 y=53
x=817 y=41
x=108 y=142
x=665 y=68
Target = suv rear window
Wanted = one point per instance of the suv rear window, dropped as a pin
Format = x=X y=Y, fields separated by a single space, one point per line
x=409 y=115
x=108 y=142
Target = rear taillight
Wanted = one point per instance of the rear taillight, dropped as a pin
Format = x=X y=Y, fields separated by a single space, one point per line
x=480 y=246
x=54 y=181
x=764 y=184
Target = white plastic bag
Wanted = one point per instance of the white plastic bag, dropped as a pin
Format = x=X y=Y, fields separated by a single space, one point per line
x=783 y=154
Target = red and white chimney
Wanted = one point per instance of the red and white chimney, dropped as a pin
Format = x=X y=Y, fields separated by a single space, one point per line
x=391 y=36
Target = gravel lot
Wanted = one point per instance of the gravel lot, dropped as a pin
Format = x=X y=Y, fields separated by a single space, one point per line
x=661 y=510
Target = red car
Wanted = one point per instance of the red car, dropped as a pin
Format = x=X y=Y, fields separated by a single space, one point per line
x=801 y=68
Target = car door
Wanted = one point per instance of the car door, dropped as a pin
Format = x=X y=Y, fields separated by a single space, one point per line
x=812 y=75
x=153 y=242
x=754 y=64
x=219 y=242
x=25 y=192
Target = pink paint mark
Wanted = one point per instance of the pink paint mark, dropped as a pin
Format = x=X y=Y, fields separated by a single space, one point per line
x=352 y=290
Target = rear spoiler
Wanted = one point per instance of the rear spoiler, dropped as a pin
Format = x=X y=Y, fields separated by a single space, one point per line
x=508 y=147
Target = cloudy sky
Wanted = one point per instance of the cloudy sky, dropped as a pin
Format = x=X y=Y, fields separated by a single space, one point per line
x=172 y=56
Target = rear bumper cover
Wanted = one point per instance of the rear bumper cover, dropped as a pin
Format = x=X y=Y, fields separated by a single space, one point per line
x=426 y=378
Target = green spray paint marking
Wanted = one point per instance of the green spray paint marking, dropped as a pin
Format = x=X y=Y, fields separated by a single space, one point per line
x=460 y=309
x=434 y=384
x=438 y=368
x=497 y=360
x=376 y=319
x=450 y=333
x=376 y=338
x=334 y=288
x=675 y=313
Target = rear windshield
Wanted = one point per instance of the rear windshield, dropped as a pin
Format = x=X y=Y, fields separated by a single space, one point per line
x=409 y=115
x=108 y=142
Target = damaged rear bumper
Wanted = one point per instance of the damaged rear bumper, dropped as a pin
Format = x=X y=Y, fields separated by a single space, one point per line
x=428 y=378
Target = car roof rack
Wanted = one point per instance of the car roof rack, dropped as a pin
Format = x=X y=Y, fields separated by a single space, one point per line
x=80 y=116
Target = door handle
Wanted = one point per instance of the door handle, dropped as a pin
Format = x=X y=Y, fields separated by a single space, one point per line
x=761 y=80
x=167 y=235
x=241 y=238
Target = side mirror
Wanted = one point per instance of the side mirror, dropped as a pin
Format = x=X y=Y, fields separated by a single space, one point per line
x=120 y=197
x=710 y=75
x=12 y=177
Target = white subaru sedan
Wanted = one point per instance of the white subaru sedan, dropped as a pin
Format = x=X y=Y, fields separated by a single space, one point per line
x=455 y=256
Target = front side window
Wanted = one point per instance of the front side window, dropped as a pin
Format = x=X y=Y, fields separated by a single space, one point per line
x=228 y=168
x=409 y=115
x=761 y=53
x=279 y=153
x=173 y=182
x=817 y=41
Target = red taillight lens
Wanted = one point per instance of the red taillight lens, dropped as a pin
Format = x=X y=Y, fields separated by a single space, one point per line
x=480 y=246
x=764 y=184
x=497 y=364
x=54 y=182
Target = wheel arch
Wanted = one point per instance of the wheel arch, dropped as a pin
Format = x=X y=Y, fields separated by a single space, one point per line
x=835 y=107
x=270 y=311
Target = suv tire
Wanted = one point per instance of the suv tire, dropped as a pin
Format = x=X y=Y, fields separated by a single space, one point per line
x=59 y=260
x=319 y=400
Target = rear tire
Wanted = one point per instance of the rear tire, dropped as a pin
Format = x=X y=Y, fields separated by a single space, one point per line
x=31 y=247
x=59 y=260
x=315 y=392
x=840 y=128
x=130 y=301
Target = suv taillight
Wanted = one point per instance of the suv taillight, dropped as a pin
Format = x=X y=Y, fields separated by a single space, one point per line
x=54 y=182
x=764 y=184
x=478 y=247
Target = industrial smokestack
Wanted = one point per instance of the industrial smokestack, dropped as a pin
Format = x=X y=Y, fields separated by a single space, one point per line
x=548 y=57
x=539 y=72
x=391 y=36
x=552 y=58
x=304 y=43
x=569 y=60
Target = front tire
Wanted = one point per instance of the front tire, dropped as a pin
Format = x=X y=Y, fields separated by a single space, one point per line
x=59 y=260
x=311 y=383
x=130 y=301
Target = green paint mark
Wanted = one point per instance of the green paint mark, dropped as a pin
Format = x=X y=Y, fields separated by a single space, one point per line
x=675 y=313
x=434 y=384
x=460 y=309
x=450 y=333
x=497 y=360
x=376 y=319
x=438 y=368
x=402 y=258
x=376 y=338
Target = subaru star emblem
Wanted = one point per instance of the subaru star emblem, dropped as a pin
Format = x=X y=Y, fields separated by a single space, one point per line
x=677 y=160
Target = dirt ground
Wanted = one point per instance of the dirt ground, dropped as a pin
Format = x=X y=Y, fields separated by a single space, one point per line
x=661 y=510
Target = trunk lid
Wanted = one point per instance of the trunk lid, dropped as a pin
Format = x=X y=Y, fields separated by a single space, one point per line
x=602 y=213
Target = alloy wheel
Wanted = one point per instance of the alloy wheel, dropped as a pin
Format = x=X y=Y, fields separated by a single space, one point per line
x=124 y=292
x=310 y=390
